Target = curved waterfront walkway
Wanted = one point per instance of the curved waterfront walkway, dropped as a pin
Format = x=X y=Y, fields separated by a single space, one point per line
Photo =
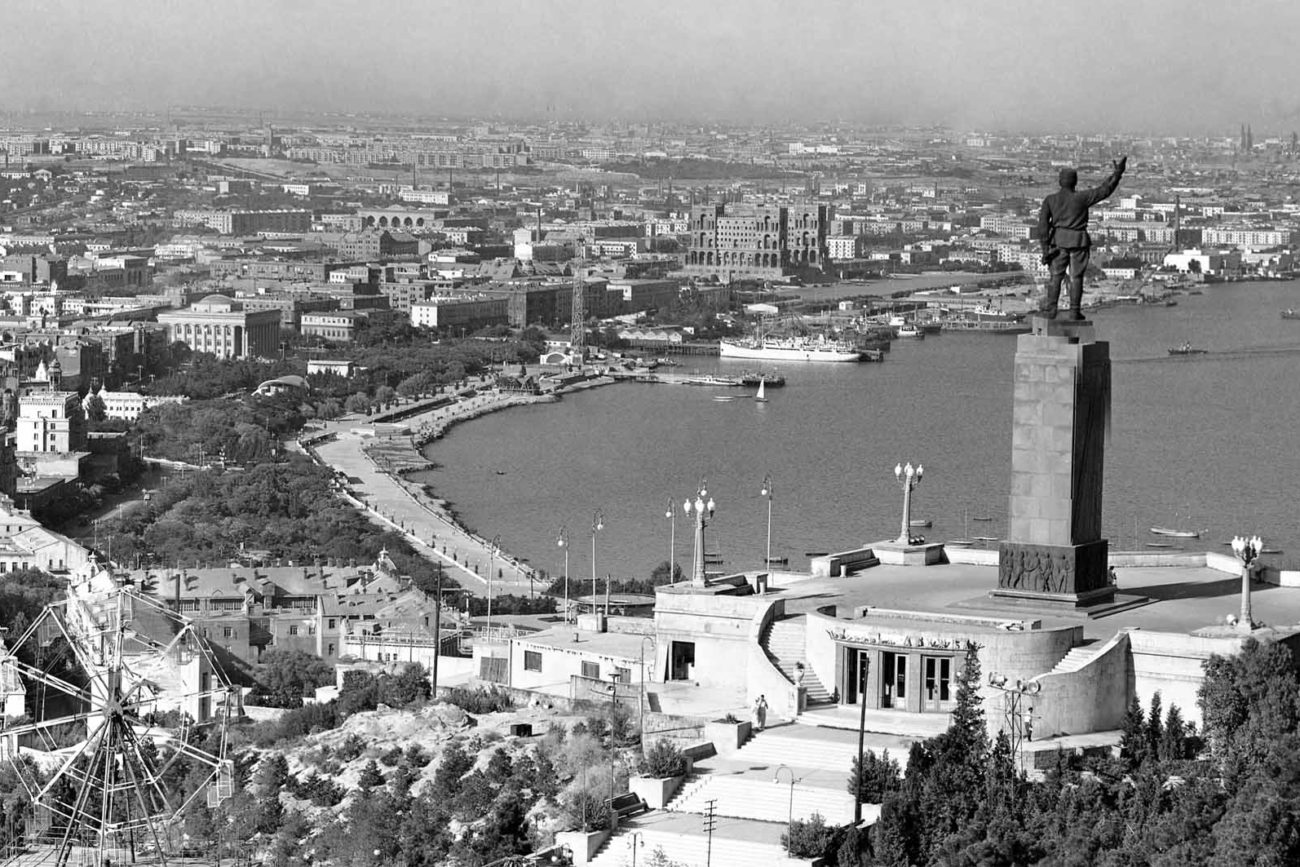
x=373 y=463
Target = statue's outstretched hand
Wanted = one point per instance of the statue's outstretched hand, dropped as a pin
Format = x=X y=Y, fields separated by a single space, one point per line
x=1121 y=164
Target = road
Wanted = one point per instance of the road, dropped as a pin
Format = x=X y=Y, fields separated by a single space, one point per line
x=402 y=506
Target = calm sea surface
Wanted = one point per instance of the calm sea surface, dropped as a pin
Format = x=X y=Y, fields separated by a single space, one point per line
x=1208 y=442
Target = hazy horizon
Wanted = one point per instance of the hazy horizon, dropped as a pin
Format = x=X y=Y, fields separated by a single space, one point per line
x=1156 y=67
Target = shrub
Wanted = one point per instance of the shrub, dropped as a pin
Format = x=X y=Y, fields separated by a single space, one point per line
x=807 y=839
x=351 y=748
x=881 y=775
x=478 y=700
x=663 y=759
x=584 y=811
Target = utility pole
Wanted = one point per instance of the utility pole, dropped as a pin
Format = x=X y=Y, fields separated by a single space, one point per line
x=710 y=822
x=437 y=632
x=864 y=668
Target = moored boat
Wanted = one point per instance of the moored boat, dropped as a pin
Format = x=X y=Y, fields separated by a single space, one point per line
x=1178 y=534
x=1186 y=349
x=790 y=349
x=1290 y=313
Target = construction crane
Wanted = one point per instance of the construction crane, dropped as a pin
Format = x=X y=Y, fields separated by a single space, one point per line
x=578 y=321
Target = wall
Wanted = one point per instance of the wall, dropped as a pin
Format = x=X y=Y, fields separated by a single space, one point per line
x=719 y=625
x=762 y=677
x=560 y=664
x=1173 y=664
x=1092 y=699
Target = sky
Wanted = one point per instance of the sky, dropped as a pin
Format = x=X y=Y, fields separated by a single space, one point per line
x=1141 y=66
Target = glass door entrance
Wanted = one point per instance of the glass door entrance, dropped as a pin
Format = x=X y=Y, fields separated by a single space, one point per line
x=893 y=680
x=936 y=690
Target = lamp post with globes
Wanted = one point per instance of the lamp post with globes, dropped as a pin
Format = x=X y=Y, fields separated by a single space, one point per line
x=703 y=506
x=1247 y=551
x=597 y=524
x=909 y=477
x=671 y=514
x=493 y=547
x=562 y=540
x=767 y=492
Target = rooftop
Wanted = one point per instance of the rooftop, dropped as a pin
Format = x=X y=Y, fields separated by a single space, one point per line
x=1186 y=596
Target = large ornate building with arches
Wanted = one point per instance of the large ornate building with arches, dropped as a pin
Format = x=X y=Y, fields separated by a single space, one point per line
x=757 y=241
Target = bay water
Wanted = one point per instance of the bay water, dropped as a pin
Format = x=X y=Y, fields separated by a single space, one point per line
x=1203 y=442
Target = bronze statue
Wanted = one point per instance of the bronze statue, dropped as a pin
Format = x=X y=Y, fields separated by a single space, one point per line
x=1063 y=233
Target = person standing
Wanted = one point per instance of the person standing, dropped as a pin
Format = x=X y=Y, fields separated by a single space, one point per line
x=1063 y=234
x=760 y=712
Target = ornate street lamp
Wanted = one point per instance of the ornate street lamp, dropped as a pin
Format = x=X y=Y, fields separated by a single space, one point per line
x=597 y=524
x=671 y=514
x=703 y=507
x=909 y=477
x=562 y=540
x=1247 y=551
x=493 y=547
x=767 y=492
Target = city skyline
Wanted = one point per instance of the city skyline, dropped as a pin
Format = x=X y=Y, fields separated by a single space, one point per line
x=1159 y=68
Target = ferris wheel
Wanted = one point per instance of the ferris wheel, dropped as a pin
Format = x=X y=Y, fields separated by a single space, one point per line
x=117 y=692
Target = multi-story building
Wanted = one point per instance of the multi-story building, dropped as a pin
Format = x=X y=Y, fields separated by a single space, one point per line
x=339 y=326
x=232 y=222
x=128 y=405
x=51 y=422
x=1246 y=237
x=222 y=326
x=844 y=247
x=757 y=241
x=456 y=312
x=375 y=244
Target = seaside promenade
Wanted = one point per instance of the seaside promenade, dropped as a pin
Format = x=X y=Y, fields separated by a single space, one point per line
x=373 y=455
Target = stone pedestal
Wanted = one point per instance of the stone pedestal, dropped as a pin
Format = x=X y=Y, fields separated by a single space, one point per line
x=898 y=554
x=1054 y=552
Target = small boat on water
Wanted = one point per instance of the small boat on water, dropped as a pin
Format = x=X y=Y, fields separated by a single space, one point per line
x=761 y=395
x=723 y=398
x=753 y=379
x=960 y=543
x=1177 y=534
x=778 y=561
x=985 y=538
x=982 y=518
x=1291 y=313
x=1160 y=544
x=921 y=522
x=910 y=331
x=1186 y=349
x=1270 y=550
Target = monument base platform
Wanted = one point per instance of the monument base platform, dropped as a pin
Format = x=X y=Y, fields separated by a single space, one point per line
x=1068 y=605
x=897 y=554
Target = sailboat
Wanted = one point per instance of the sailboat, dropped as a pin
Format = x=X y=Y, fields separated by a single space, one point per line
x=966 y=541
x=761 y=396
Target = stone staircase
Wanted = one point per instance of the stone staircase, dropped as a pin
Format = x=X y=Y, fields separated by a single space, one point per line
x=1078 y=657
x=812 y=748
x=767 y=799
x=784 y=644
x=750 y=844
